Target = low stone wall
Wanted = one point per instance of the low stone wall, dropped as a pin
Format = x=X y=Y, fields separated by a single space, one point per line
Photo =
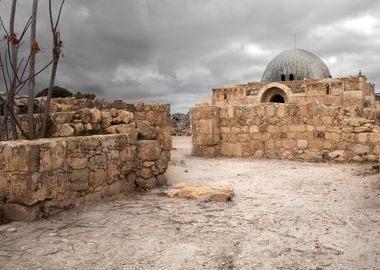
x=80 y=162
x=309 y=132
x=39 y=176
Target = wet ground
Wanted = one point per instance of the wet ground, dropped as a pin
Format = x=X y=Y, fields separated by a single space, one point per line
x=285 y=215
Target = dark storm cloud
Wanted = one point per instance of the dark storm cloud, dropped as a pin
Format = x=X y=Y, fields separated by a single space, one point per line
x=175 y=51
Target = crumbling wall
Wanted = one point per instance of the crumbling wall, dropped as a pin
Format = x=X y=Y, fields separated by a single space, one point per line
x=41 y=175
x=80 y=162
x=310 y=132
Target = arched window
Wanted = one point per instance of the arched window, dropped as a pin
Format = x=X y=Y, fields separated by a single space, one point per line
x=291 y=77
x=283 y=77
x=328 y=90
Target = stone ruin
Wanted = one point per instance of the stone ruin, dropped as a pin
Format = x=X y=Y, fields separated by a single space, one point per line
x=297 y=112
x=180 y=124
x=98 y=148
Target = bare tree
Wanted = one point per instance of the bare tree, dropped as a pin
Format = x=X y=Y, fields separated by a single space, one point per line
x=57 y=47
x=14 y=70
x=34 y=48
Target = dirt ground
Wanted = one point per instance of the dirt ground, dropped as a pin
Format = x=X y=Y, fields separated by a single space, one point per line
x=286 y=215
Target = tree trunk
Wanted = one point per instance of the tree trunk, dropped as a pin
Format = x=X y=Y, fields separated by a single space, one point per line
x=31 y=83
x=57 y=45
x=14 y=52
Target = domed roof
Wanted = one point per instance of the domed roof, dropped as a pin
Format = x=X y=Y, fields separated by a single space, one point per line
x=295 y=64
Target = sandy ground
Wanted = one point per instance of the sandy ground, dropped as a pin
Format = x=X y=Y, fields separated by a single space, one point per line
x=286 y=215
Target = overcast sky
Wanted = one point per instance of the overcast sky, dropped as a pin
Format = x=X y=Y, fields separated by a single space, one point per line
x=176 y=51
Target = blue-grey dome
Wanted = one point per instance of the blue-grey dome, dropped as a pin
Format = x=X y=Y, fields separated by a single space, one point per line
x=295 y=64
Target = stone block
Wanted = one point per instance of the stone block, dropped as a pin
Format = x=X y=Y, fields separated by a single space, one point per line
x=208 y=126
x=3 y=186
x=79 y=180
x=148 y=150
x=52 y=155
x=161 y=180
x=204 y=112
x=334 y=137
x=253 y=129
x=146 y=131
x=146 y=173
x=115 y=188
x=19 y=212
x=338 y=154
x=302 y=144
x=97 y=178
x=205 y=150
x=231 y=149
x=206 y=139
x=27 y=188
x=362 y=137
x=297 y=128
x=124 y=117
x=64 y=130
x=360 y=149
x=77 y=160
x=146 y=183
x=21 y=157
x=374 y=137
x=162 y=162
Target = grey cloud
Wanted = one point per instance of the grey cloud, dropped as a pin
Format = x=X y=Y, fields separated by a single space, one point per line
x=176 y=51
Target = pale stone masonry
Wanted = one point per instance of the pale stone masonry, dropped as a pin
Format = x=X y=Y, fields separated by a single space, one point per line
x=73 y=167
x=310 y=132
x=347 y=91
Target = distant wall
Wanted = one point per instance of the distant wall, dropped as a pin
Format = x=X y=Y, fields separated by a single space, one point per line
x=309 y=132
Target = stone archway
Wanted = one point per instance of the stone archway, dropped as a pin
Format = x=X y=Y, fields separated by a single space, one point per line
x=274 y=92
x=275 y=95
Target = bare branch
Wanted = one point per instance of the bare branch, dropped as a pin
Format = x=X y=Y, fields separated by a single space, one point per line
x=59 y=15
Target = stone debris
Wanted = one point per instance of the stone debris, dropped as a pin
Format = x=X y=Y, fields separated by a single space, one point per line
x=180 y=124
x=201 y=192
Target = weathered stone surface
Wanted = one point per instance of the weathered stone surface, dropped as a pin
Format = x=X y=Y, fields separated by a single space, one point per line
x=124 y=117
x=302 y=144
x=14 y=154
x=162 y=180
x=146 y=173
x=360 y=149
x=19 y=212
x=96 y=116
x=231 y=149
x=52 y=155
x=146 y=183
x=64 y=131
x=303 y=132
x=162 y=162
x=77 y=161
x=148 y=150
x=145 y=131
x=27 y=188
x=3 y=186
x=79 y=180
x=221 y=194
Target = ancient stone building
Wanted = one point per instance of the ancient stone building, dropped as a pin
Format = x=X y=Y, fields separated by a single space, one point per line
x=297 y=111
x=297 y=76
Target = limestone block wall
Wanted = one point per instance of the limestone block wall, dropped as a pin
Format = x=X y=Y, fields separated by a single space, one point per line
x=309 y=132
x=346 y=91
x=39 y=176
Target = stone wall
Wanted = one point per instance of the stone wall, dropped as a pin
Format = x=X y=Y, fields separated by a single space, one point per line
x=41 y=175
x=81 y=162
x=346 y=91
x=309 y=132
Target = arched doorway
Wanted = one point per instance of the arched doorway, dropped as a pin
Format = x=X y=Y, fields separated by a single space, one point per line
x=277 y=99
x=275 y=95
